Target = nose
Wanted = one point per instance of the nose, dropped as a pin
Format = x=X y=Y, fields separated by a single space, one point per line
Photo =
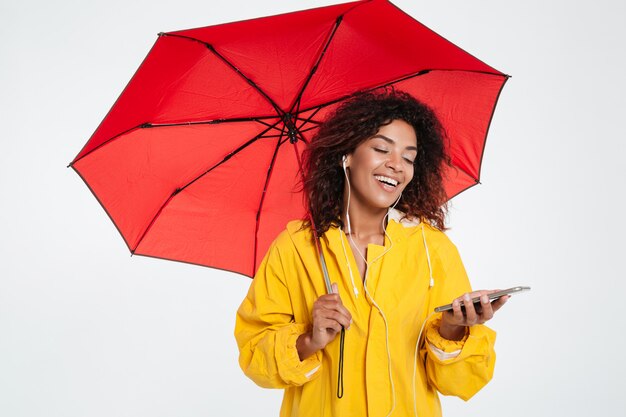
x=395 y=161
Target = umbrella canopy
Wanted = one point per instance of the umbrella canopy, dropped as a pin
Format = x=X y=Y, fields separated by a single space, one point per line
x=198 y=159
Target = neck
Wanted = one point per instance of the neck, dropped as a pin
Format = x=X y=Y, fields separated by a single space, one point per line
x=365 y=222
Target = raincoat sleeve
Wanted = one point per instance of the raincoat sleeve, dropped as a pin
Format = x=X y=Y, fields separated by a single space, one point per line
x=459 y=368
x=266 y=332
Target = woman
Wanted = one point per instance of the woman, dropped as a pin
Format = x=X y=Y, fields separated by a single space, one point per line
x=391 y=267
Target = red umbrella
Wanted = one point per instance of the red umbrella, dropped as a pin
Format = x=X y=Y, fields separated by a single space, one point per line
x=198 y=159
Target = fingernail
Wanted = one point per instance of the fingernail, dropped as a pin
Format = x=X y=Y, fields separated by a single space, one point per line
x=467 y=297
x=484 y=299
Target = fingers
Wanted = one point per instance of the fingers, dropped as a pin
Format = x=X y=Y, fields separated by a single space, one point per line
x=329 y=306
x=323 y=314
x=466 y=313
x=329 y=317
x=332 y=308
x=496 y=304
x=327 y=324
x=471 y=316
x=487 y=308
x=499 y=302
x=457 y=313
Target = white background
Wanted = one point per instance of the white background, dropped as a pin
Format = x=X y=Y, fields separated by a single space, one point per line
x=86 y=330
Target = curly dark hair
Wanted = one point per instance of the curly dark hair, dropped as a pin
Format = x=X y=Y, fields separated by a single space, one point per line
x=352 y=123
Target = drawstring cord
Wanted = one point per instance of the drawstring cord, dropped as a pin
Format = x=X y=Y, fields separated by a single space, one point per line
x=419 y=336
x=415 y=362
x=430 y=268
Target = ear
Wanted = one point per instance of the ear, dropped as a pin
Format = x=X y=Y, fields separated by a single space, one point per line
x=347 y=158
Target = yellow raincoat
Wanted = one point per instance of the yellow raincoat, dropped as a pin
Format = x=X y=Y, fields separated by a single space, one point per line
x=277 y=310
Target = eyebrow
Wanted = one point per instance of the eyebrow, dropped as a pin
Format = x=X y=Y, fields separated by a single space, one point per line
x=391 y=141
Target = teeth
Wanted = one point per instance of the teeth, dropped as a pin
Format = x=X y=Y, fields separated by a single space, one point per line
x=386 y=180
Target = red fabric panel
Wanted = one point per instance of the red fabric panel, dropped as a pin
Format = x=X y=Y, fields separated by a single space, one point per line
x=378 y=43
x=464 y=103
x=276 y=52
x=180 y=80
x=282 y=201
x=198 y=226
x=134 y=175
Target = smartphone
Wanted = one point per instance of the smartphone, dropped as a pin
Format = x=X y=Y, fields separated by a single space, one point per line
x=492 y=297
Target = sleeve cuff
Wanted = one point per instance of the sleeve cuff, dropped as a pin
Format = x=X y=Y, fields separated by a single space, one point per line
x=290 y=368
x=439 y=342
x=478 y=341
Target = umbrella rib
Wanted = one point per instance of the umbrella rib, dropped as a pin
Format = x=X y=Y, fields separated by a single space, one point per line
x=217 y=121
x=309 y=129
x=153 y=125
x=211 y=48
x=212 y=122
x=227 y=157
x=387 y=84
x=310 y=119
x=426 y=71
x=278 y=135
x=300 y=170
x=178 y=190
x=338 y=21
x=258 y=213
x=296 y=103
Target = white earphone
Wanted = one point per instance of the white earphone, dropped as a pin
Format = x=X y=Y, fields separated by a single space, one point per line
x=368 y=295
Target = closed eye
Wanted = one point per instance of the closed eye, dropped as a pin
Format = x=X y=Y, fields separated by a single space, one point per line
x=385 y=151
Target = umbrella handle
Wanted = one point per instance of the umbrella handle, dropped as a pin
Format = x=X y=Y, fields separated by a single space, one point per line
x=329 y=288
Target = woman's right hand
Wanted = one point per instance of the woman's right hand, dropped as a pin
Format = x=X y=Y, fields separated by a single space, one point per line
x=329 y=316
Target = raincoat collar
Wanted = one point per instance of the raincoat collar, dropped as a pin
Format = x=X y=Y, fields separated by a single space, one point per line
x=398 y=227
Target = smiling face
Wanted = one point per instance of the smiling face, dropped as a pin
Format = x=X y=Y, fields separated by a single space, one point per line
x=381 y=167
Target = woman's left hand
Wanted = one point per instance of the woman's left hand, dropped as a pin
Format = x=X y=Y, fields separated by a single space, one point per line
x=454 y=322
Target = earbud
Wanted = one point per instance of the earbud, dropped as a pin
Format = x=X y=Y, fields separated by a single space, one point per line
x=345 y=172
